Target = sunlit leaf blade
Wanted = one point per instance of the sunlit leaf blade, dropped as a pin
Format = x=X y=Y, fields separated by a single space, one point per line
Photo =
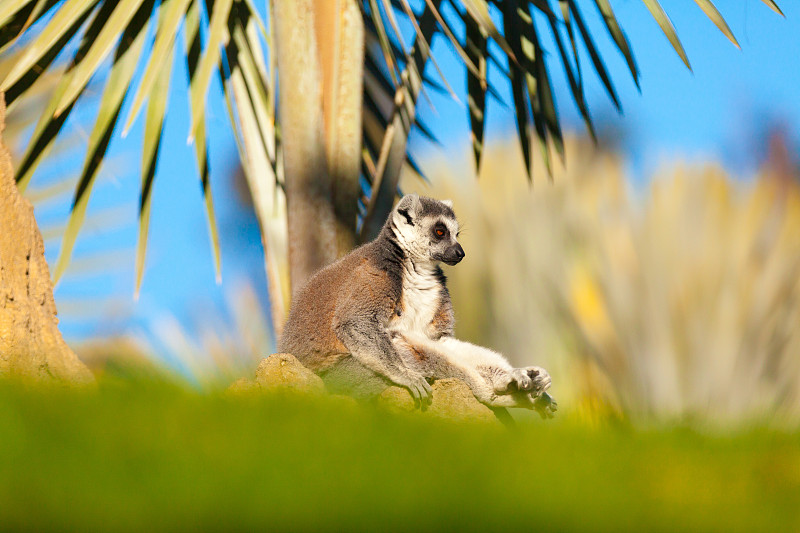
x=9 y=7
x=716 y=17
x=49 y=125
x=125 y=61
x=597 y=61
x=41 y=67
x=393 y=146
x=172 y=13
x=574 y=78
x=519 y=92
x=619 y=37
x=774 y=6
x=383 y=39
x=434 y=9
x=193 y=50
x=39 y=7
x=153 y=128
x=100 y=49
x=62 y=20
x=217 y=34
x=476 y=45
x=669 y=30
x=479 y=10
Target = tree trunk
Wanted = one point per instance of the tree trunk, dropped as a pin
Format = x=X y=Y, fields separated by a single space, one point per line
x=320 y=54
x=30 y=344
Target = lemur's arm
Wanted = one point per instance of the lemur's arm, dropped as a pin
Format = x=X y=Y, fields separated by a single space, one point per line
x=362 y=328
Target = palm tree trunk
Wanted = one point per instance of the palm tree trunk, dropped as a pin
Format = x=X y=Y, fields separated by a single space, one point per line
x=320 y=49
x=30 y=344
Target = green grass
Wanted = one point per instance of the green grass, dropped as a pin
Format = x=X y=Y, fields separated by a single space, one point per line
x=146 y=458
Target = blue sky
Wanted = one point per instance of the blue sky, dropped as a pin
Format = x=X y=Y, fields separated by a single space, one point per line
x=713 y=113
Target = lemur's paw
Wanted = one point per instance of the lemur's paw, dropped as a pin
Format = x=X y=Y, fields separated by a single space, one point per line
x=540 y=380
x=509 y=382
x=419 y=388
x=545 y=405
x=521 y=381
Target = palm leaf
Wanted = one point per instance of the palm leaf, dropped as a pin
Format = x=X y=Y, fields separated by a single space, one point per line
x=716 y=17
x=193 y=51
x=49 y=125
x=153 y=128
x=125 y=61
x=594 y=54
x=774 y=6
x=173 y=11
x=61 y=22
x=519 y=92
x=618 y=36
x=476 y=45
x=217 y=33
x=669 y=30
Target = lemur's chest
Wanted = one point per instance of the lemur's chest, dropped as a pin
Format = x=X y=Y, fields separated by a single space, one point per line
x=420 y=300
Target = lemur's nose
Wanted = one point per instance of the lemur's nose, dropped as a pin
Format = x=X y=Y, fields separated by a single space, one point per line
x=459 y=252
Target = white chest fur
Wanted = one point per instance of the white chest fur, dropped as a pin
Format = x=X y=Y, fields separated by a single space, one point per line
x=421 y=298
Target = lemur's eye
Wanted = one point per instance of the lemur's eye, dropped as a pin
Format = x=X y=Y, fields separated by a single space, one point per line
x=440 y=232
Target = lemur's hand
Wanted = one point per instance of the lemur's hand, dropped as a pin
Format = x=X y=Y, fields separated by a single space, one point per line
x=540 y=380
x=418 y=387
x=545 y=405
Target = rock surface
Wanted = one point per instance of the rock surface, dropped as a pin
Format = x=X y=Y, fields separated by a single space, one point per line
x=30 y=344
x=452 y=399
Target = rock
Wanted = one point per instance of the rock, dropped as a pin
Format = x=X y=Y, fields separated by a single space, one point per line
x=453 y=399
x=30 y=344
x=284 y=371
x=243 y=386
x=397 y=400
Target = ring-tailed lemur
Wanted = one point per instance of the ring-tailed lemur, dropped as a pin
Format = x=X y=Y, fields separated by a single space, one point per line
x=383 y=312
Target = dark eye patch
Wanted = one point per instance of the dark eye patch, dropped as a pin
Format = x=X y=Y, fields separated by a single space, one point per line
x=440 y=231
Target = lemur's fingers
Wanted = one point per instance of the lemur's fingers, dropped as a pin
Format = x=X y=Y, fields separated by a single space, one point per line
x=540 y=380
x=522 y=380
x=545 y=405
x=420 y=390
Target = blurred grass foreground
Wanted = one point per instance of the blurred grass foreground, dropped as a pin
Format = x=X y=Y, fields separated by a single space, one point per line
x=667 y=314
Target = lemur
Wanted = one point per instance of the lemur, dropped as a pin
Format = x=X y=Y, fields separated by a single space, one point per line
x=382 y=314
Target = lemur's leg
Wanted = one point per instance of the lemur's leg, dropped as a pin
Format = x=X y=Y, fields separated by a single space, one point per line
x=371 y=345
x=496 y=369
x=490 y=376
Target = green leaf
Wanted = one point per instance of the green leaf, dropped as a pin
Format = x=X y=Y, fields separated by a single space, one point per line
x=62 y=20
x=125 y=61
x=476 y=47
x=49 y=125
x=619 y=37
x=383 y=39
x=22 y=85
x=574 y=78
x=100 y=49
x=193 y=48
x=716 y=17
x=519 y=92
x=774 y=6
x=168 y=23
x=479 y=10
x=599 y=66
x=217 y=37
x=669 y=30
x=154 y=122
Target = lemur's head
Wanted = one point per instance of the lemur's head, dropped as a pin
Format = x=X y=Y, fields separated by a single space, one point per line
x=427 y=229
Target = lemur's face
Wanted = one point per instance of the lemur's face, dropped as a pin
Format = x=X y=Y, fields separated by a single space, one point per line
x=428 y=229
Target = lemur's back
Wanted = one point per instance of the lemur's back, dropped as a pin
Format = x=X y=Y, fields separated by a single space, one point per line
x=309 y=331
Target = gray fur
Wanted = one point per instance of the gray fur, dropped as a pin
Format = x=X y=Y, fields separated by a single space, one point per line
x=382 y=314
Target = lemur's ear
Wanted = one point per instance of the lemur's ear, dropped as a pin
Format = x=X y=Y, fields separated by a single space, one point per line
x=409 y=208
x=448 y=203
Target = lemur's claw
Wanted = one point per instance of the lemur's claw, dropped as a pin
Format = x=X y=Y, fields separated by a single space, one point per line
x=545 y=405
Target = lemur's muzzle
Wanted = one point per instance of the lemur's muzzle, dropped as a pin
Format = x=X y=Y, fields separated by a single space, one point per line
x=454 y=255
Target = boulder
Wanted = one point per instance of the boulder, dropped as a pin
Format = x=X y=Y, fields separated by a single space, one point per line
x=452 y=399
x=284 y=371
x=31 y=346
